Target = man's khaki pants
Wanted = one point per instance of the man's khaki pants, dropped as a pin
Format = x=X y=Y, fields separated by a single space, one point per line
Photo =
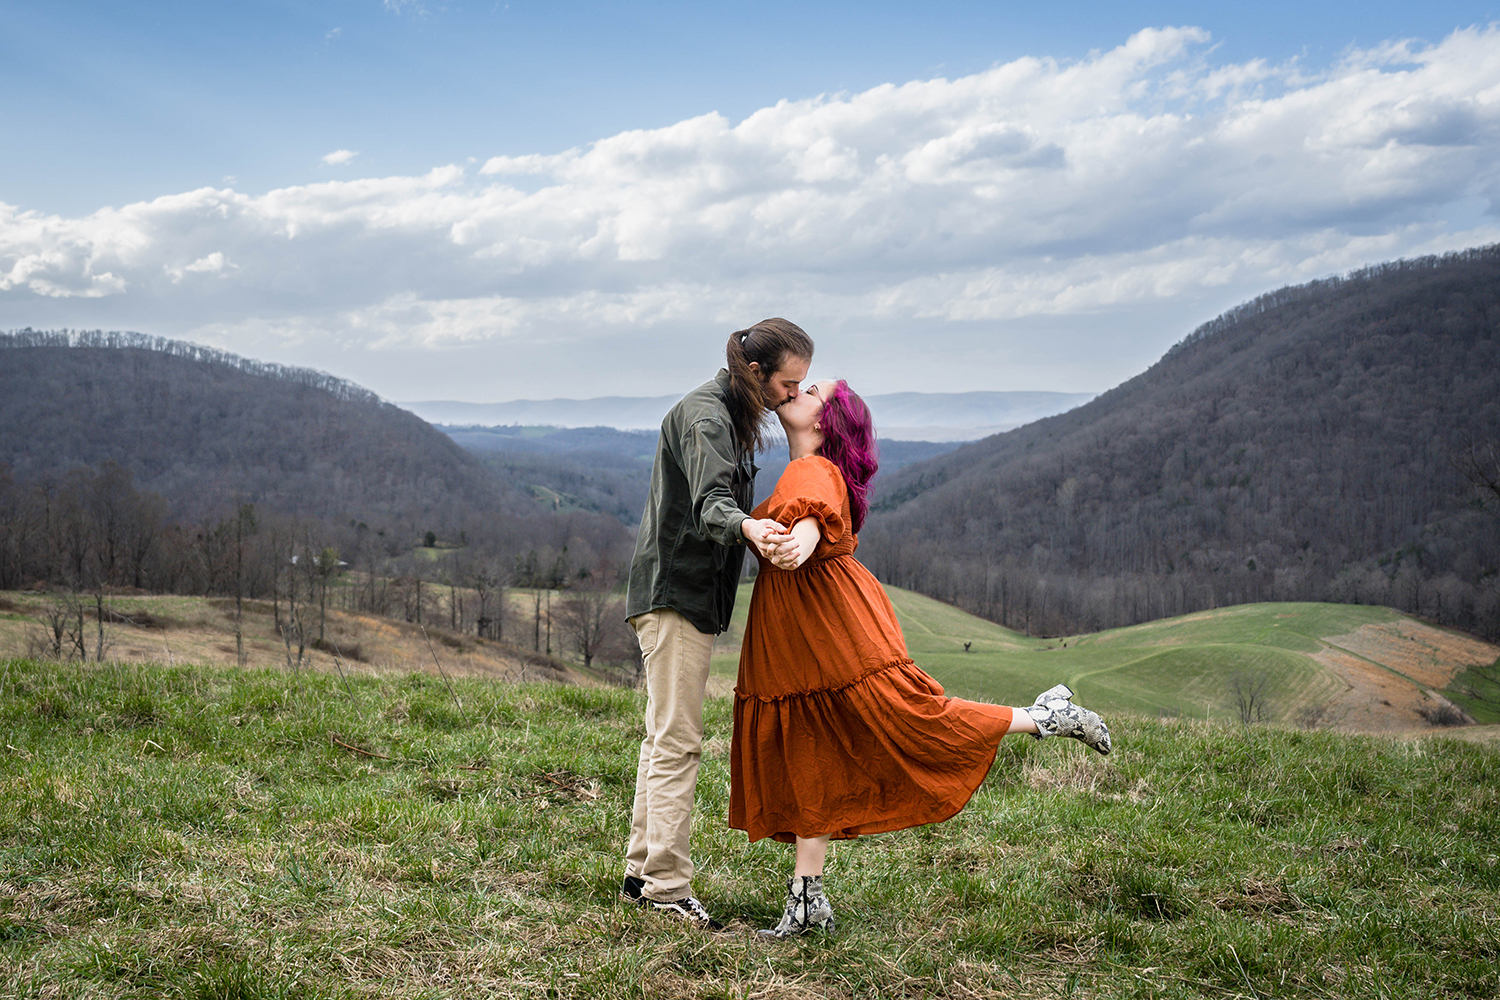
x=677 y=658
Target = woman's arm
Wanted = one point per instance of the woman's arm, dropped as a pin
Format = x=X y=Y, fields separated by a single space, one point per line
x=805 y=538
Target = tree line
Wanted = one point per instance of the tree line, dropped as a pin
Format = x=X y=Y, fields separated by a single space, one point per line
x=91 y=533
x=123 y=340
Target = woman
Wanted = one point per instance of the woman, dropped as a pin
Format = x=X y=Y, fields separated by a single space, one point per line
x=836 y=732
x=683 y=578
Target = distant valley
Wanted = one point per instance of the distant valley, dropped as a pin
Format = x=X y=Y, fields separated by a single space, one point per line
x=608 y=470
x=899 y=416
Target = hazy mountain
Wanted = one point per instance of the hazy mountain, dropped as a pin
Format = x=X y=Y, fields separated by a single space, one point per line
x=619 y=412
x=1299 y=447
x=900 y=416
x=964 y=416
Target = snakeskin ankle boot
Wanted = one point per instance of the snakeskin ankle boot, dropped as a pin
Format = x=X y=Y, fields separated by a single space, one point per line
x=1055 y=715
x=807 y=909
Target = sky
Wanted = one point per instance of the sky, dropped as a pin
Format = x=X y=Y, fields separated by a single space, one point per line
x=495 y=201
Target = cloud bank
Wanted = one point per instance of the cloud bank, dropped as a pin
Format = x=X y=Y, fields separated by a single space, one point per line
x=1038 y=191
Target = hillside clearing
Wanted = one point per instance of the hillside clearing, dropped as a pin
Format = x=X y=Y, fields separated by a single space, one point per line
x=174 y=629
x=1351 y=667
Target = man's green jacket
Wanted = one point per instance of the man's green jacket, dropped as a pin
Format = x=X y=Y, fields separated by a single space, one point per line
x=689 y=551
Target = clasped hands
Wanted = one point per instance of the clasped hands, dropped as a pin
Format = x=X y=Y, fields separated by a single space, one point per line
x=773 y=541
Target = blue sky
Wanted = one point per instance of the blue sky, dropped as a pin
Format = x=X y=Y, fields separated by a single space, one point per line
x=489 y=201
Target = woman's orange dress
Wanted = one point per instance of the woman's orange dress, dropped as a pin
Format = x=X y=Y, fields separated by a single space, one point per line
x=836 y=730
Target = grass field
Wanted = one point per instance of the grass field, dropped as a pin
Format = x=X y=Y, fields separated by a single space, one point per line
x=198 y=832
x=1347 y=666
x=1355 y=668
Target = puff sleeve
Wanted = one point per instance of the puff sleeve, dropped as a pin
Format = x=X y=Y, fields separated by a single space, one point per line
x=812 y=487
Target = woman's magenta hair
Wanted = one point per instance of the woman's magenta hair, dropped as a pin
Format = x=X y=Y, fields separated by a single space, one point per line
x=849 y=443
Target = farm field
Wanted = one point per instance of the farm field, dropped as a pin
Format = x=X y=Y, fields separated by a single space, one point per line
x=1353 y=667
x=1356 y=668
x=208 y=832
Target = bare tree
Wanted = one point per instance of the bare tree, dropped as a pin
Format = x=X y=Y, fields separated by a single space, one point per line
x=584 y=617
x=1479 y=463
x=1250 y=696
x=55 y=620
x=324 y=567
x=244 y=525
x=489 y=587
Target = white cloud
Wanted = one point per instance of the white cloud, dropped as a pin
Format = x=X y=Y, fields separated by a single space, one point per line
x=339 y=157
x=213 y=263
x=1145 y=176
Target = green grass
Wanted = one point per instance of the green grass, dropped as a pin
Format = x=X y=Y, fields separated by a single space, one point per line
x=1477 y=690
x=196 y=833
x=1174 y=667
x=1178 y=666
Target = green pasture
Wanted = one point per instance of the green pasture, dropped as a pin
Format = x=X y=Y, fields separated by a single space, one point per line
x=1182 y=666
x=197 y=833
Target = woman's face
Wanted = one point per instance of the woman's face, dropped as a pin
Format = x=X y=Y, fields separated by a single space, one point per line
x=801 y=414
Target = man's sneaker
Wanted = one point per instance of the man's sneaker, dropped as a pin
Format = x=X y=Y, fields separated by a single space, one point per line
x=1055 y=715
x=686 y=909
x=807 y=909
x=632 y=889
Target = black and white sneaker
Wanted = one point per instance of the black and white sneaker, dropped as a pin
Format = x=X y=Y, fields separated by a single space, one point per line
x=633 y=890
x=686 y=909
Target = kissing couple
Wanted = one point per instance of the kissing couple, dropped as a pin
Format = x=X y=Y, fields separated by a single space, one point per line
x=837 y=733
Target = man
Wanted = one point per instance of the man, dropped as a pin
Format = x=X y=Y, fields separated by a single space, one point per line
x=683 y=579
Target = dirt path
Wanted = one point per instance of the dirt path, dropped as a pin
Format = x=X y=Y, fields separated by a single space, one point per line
x=1393 y=673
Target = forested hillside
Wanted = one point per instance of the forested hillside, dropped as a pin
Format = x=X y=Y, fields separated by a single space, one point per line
x=204 y=429
x=1308 y=445
x=128 y=460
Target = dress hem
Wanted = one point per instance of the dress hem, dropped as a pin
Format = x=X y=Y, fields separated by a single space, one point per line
x=878 y=825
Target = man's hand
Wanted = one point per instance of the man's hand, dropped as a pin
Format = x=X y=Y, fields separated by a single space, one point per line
x=788 y=555
x=769 y=537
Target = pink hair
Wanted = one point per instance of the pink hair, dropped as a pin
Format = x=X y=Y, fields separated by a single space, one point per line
x=849 y=443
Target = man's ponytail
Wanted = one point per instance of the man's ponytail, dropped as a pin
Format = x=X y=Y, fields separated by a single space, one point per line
x=769 y=344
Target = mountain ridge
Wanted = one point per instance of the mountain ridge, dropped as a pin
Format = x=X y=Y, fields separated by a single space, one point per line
x=1299 y=447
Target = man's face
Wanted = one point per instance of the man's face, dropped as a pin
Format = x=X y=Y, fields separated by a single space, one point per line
x=782 y=386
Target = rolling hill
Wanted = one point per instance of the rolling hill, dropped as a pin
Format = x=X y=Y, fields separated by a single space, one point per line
x=1326 y=666
x=133 y=461
x=1358 y=668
